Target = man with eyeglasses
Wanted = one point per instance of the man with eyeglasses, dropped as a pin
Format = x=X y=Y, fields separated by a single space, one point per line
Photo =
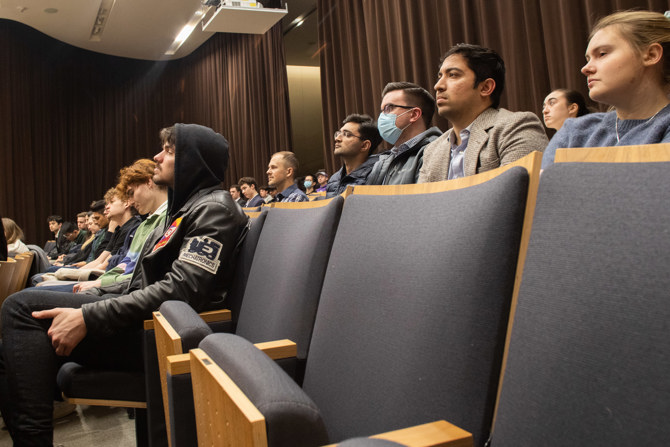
x=484 y=136
x=356 y=140
x=406 y=112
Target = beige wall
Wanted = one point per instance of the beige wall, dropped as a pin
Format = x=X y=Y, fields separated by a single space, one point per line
x=304 y=87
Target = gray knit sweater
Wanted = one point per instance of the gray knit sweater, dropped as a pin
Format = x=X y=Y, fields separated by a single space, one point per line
x=599 y=130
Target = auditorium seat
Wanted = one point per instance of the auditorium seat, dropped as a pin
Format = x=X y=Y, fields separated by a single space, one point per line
x=280 y=298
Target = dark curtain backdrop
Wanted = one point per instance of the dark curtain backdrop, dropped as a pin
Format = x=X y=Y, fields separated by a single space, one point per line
x=70 y=118
x=368 y=43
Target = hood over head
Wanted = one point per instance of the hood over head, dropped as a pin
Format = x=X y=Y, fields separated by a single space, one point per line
x=201 y=159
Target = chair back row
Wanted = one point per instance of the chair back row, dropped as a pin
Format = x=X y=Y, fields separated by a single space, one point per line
x=14 y=274
x=412 y=318
x=410 y=272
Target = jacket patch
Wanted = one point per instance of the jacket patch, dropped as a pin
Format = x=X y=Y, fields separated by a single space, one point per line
x=202 y=252
x=168 y=234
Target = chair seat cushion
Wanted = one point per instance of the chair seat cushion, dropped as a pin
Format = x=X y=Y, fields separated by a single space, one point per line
x=77 y=381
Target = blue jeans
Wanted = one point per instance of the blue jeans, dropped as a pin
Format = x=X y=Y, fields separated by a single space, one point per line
x=28 y=364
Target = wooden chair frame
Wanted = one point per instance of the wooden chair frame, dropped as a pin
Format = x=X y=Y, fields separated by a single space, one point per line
x=299 y=205
x=7 y=277
x=615 y=154
x=238 y=422
x=25 y=261
x=172 y=359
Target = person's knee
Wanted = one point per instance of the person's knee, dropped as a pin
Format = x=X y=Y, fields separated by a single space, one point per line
x=23 y=303
x=14 y=304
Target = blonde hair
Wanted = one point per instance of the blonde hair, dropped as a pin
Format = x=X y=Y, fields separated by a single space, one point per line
x=112 y=193
x=641 y=29
x=13 y=232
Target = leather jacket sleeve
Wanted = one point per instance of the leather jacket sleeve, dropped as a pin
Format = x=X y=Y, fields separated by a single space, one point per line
x=191 y=262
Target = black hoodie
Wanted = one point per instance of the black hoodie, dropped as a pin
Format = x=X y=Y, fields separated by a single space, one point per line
x=191 y=258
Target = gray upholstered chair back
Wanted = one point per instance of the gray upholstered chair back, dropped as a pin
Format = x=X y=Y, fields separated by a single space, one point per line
x=190 y=327
x=242 y=267
x=414 y=308
x=291 y=418
x=286 y=275
x=589 y=355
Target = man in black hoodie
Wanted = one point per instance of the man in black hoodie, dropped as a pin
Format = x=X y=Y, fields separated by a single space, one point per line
x=189 y=259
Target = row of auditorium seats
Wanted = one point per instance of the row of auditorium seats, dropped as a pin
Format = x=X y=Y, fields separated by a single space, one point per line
x=390 y=243
x=401 y=301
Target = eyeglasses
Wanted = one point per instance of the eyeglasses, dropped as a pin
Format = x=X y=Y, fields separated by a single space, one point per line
x=388 y=108
x=346 y=134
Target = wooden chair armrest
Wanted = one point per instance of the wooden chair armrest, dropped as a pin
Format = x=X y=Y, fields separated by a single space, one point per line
x=179 y=364
x=211 y=316
x=433 y=434
x=278 y=349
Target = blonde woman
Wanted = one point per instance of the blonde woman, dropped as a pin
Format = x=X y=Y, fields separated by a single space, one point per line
x=14 y=236
x=627 y=68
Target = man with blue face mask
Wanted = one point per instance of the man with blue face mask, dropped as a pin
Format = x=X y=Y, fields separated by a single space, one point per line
x=406 y=112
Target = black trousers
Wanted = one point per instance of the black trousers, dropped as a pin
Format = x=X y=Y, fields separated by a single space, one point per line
x=29 y=364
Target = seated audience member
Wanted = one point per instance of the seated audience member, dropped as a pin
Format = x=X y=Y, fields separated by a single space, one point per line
x=97 y=224
x=249 y=186
x=3 y=243
x=356 y=140
x=71 y=232
x=122 y=216
x=72 y=259
x=404 y=122
x=82 y=224
x=188 y=259
x=236 y=193
x=149 y=199
x=300 y=183
x=281 y=173
x=322 y=180
x=266 y=193
x=56 y=248
x=310 y=184
x=14 y=238
x=484 y=136
x=626 y=68
x=273 y=193
x=562 y=104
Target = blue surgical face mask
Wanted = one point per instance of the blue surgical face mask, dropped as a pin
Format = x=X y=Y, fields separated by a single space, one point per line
x=387 y=128
x=308 y=183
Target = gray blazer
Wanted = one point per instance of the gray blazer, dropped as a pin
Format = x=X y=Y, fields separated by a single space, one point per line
x=497 y=137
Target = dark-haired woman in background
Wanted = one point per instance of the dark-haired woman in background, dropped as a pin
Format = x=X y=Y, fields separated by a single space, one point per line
x=562 y=104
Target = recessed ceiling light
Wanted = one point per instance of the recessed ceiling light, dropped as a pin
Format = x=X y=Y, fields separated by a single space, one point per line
x=51 y=10
x=184 y=33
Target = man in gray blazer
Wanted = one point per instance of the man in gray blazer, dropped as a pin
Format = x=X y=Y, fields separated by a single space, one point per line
x=483 y=137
